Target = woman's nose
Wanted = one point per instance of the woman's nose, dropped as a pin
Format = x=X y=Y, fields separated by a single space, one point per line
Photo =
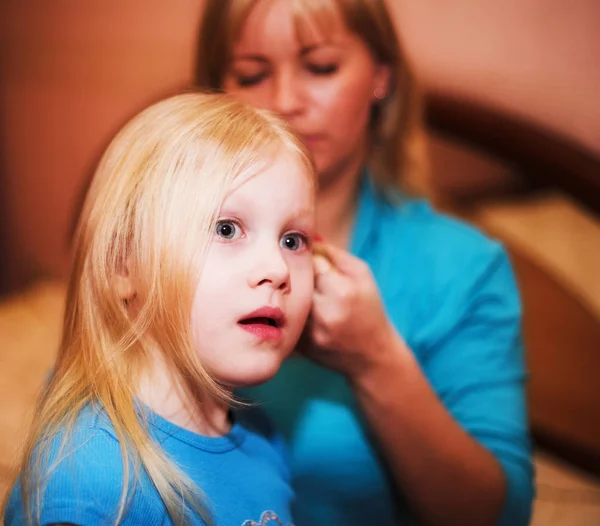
x=287 y=94
x=269 y=269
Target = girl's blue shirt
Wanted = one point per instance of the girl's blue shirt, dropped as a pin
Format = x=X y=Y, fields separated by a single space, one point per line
x=243 y=475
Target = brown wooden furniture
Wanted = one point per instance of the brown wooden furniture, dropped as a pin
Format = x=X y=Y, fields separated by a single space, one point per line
x=541 y=158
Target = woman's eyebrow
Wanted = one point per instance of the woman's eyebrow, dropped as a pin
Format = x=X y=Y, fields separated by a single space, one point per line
x=252 y=57
x=329 y=43
x=309 y=49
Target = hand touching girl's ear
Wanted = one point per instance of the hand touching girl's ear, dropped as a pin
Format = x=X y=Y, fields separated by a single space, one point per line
x=347 y=313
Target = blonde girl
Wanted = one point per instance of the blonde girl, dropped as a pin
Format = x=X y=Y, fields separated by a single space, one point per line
x=192 y=276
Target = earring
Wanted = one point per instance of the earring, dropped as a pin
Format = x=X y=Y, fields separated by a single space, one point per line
x=379 y=93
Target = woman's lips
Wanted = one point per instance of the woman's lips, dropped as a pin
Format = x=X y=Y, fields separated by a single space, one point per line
x=311 y=140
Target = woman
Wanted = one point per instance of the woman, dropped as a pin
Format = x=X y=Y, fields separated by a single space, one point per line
x=411 y=405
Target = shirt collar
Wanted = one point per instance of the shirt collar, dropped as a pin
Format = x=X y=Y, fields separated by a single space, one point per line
x=364 y=221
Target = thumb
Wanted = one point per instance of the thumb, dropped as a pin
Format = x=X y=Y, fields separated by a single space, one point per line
x=321 y=263
x=343 y=261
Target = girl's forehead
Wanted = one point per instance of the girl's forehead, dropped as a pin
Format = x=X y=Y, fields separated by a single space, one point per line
x=283 y=160
x=244 y=188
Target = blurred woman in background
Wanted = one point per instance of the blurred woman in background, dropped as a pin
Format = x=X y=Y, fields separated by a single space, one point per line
x=410 y=403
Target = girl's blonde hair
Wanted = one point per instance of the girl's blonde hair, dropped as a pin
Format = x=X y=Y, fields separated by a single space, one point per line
x=397 y=156
x=150 y=212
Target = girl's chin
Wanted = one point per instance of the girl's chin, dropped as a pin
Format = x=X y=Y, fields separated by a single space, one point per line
x=252 y=376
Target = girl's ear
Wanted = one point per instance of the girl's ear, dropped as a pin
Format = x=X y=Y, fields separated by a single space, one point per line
x=124 y=285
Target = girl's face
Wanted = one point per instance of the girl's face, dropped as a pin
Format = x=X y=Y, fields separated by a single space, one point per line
x=323 y=86
x=255 y=291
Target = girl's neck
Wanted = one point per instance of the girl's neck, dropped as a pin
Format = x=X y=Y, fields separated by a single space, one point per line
x=168 y=398
x=336 y=208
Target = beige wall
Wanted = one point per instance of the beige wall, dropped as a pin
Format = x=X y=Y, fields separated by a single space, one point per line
x=73 y=70
x=538 y=58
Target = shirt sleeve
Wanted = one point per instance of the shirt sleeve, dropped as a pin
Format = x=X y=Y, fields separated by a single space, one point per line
x=476 y=365
x=83 y=483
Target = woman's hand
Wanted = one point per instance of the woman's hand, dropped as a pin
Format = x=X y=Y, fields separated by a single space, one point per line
x=353 y=335
x=349 y=327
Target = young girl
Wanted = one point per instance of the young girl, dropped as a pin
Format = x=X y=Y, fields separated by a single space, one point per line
x=192 y=276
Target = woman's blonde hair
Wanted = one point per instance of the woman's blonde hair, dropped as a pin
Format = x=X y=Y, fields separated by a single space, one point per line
x=150 y=212
x=396 y=156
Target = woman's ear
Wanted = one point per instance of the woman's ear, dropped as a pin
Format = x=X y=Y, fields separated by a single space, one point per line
x=381 y=82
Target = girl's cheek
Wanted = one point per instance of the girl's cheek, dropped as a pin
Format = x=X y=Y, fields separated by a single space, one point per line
x=300 y=262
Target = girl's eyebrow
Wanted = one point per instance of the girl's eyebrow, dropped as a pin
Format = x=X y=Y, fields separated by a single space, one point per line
x=301 y=216
x=303 y=212
x=232 y=210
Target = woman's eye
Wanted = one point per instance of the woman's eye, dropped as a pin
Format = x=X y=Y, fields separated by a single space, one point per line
x=293 y=242
x=245 y=81
x=227 y=230
x=322 y=69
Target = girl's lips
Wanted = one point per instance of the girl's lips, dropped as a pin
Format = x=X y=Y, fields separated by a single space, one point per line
x=265 y=323
x=262 y=330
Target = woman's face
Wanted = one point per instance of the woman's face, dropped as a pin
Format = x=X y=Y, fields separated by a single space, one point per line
x=324 y=85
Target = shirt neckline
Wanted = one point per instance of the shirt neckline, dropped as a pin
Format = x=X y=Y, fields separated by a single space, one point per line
x=365 y=215
x=167 y=430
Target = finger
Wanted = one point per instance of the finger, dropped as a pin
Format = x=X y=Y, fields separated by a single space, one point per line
x=342 y=260
x=328 y=314
x=320 y=302
x=320 y=337
x=321 y=264
x=330 y=282
x=318 y=247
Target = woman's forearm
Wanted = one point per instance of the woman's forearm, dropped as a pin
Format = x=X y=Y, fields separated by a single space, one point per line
x=447 y=476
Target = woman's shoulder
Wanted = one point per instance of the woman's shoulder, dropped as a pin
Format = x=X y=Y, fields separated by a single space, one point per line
x=441 y=229
x=430 y=240
x=442 y=273
x=396 y=219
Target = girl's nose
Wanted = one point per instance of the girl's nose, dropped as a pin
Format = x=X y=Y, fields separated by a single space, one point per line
x=270 y=269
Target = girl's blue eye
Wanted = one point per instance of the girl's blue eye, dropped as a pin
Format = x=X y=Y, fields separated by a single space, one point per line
x=293 y=242
x=227 y=229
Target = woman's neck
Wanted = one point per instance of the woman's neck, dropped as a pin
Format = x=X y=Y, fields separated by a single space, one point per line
x=160 y=391
x=336 y=207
